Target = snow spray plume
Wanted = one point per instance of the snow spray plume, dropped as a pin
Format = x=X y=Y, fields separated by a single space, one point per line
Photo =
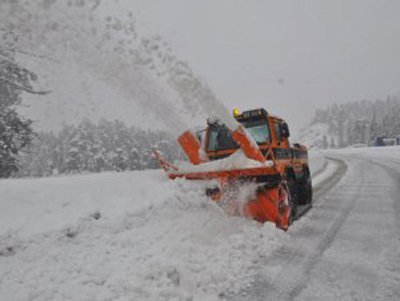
x=141 y=69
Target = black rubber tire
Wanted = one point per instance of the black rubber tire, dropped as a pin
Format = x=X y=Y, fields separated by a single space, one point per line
x=305 y=188
x=293 y=198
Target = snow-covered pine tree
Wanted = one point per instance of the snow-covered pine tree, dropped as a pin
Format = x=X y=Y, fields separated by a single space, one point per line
x=91 y=147
x=358 y=122
x=15 y=132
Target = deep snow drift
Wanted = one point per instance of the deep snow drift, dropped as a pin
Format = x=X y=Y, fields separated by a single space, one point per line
x=124 y=236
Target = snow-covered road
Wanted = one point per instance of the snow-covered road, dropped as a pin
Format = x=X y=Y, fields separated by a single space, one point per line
x=348 y=246
x=138 y=236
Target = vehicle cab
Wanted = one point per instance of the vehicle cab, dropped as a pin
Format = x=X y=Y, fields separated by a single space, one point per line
x=266 y=130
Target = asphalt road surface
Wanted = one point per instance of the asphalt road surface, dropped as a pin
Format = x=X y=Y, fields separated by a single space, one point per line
x=348 y=246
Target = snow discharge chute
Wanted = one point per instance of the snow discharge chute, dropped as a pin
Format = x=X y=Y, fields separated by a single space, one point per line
x=192 y=148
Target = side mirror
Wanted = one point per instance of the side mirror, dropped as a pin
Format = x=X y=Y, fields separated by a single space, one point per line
x=285 y=130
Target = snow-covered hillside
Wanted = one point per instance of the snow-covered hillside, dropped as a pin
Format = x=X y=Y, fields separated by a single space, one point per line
x=99 y=61
x=316 y=136
x=124 y=236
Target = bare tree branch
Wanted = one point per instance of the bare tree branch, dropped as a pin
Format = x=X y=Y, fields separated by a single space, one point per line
x=39 y=56
x=26 y=89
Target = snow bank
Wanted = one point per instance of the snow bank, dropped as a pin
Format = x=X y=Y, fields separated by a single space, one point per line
x=317 y=161
x=123 y=236
x=370 y=152
x=32 y=206
x=329 y=170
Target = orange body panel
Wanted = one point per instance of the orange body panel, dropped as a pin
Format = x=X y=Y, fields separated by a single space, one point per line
x=270 y=205
x=267 y=205
x=234 y=173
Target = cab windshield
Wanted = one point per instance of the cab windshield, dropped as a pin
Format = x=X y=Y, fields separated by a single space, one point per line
x=220 y=137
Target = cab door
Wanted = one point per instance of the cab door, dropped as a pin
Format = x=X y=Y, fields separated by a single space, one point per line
x=281 y=146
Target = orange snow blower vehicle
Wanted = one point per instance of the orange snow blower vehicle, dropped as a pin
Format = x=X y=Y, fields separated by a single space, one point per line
x=251 y=155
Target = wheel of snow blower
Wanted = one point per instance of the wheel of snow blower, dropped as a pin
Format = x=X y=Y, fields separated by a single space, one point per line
x=292 y=198
x=305 y=188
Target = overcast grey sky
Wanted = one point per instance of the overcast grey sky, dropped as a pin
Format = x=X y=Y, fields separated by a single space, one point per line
x=288 y=56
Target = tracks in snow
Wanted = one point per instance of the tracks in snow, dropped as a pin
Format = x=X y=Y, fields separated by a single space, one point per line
x=287 y=270
x=329 y=176
x=346 y=249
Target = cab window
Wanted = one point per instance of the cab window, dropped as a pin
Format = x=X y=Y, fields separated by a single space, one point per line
x=220 y=138
x=258 y=129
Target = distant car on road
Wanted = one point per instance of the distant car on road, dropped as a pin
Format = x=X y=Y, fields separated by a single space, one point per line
x=385 y=141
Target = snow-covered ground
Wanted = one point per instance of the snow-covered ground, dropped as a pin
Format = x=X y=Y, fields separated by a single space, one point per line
x=132 y=236
x=317 y=161
x=124 y=236
x=348 y=246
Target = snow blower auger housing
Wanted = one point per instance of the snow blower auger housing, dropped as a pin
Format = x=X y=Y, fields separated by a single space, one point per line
x=253 y=151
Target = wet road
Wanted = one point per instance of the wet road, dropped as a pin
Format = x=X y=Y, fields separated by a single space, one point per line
x=348 y=246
